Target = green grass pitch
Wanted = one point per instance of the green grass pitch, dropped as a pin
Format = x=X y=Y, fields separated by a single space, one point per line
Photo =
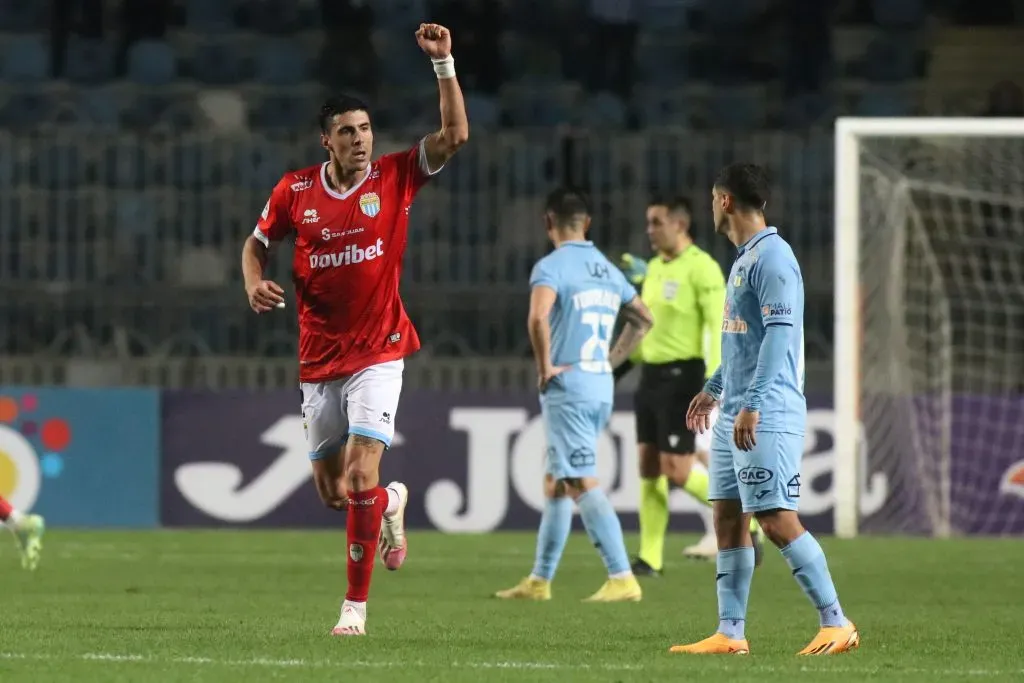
x=257 y=606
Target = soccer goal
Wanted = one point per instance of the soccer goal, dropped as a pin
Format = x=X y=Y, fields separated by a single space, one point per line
x=929 y=326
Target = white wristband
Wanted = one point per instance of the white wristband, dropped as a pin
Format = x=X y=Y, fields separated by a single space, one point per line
x=444 y=68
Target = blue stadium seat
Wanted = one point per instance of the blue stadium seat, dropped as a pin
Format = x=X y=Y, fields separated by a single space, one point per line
x=278 y=112
x=280 y=62
x=400 y=14
x=541 y=106
x=89 y=61
x=657 y=106
x=661 y=59
x=210 y=15
x=665 y=14
x=899 y=13
x=891 y=59
x=483 y=110
x=27 y=109
x=736 y=108
x=805 y=110
x=273 y=16
x=217 y=64
x=21 y=16
x=26 y=60
x=724 y=14
x=152 y=62
x=259 y=169
x=885 y=101
x=400 y=61
x=604 y=110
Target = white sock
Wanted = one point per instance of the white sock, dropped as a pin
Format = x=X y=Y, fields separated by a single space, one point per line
x=393 y=501
x=620 y=575
x=707 y=515
x=13 y=520
x=359 y=607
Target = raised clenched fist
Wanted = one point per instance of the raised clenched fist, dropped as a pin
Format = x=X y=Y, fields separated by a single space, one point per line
x=435 y=40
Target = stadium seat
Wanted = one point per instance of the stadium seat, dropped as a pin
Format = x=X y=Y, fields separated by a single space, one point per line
x=483 y=110
x=222 y=109
x=280 y=62
x=26 y=60
x=737 y=108
x=899 y=13
x=403 y=15
x=19 y=16
x=259 y=169
x=539 y=105
x=210 y=15
x=27 y=109
x=725 y=14
x=217 y=64
x=152 y=62
x=604 y=110
x=659 y=106
x=665 y=14
x=885 y=101
x=89 y=61
x=661 y=59
x=890 y=59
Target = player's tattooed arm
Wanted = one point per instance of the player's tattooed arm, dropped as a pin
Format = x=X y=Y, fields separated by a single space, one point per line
x=638 y=321
x=436 y=41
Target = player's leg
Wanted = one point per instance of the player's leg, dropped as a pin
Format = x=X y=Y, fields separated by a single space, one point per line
x=579 y=473
x=773 y=493
x=324 y=426
x=653 y=512
x=735 y=560
x=555 y=525
x=555 y=520
x=371 y=403
x=27 y=529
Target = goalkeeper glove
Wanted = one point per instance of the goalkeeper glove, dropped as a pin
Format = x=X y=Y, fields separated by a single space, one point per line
x=634 y=268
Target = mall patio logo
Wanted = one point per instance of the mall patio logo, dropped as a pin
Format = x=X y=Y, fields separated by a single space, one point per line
x=1013 y=480
x=32 y=444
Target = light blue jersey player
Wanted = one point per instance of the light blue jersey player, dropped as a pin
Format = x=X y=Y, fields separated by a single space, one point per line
x=758 y=441
x=576 y=296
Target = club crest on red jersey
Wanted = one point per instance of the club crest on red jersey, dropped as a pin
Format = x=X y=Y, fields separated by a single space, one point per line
x=369 y=204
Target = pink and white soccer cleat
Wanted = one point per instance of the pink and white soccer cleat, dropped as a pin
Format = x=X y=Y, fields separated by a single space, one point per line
x=393 y=543
x=351 y=623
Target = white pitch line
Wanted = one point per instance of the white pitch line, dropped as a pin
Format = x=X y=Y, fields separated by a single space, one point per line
x=553 y=666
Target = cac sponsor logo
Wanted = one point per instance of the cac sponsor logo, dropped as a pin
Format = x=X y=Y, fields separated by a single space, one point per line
x=349 y=255
x=1012 y=483
x=753 y=476
x=32 y=443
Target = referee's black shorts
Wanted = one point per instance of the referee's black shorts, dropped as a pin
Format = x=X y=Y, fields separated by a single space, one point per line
x=662 y=400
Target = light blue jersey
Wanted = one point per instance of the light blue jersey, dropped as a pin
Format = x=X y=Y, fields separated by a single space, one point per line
x=589 y=293
x=765 y=289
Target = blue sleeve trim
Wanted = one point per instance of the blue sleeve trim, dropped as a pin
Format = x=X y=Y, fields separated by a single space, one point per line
x=372 y=434
x=770 y=360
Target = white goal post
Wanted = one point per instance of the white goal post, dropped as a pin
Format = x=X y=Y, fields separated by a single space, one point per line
x=915 y=294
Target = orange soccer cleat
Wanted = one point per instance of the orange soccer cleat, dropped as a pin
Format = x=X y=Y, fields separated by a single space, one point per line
x=832 y=640
x=718 y=644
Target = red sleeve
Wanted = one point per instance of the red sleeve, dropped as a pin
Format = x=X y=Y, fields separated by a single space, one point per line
x=275 y=223
x=413 y=169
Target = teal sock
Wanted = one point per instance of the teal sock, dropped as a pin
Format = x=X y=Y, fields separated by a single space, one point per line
x=605 y=530
x=735 y=572
x=807 y=560
x=555 y=523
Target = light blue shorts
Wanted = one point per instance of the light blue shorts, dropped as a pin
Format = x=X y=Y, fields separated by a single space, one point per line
x=766 y=478
x=572 y=430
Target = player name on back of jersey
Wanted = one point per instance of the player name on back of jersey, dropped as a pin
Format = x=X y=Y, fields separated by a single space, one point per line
x=591 y=298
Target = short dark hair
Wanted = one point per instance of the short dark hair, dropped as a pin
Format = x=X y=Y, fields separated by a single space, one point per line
x=674 y=203
x=339 y=104
x=749 y=184
x=566 y=205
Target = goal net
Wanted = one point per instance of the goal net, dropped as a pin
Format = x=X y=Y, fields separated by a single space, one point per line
x=929 y=390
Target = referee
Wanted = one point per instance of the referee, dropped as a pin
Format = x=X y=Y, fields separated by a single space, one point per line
x=684 y=288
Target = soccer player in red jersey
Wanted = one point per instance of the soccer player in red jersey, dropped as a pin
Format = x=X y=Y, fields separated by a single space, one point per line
x=349 y=218
x=27 y=529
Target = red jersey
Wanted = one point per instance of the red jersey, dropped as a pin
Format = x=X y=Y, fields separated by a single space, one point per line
x=348 y=257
